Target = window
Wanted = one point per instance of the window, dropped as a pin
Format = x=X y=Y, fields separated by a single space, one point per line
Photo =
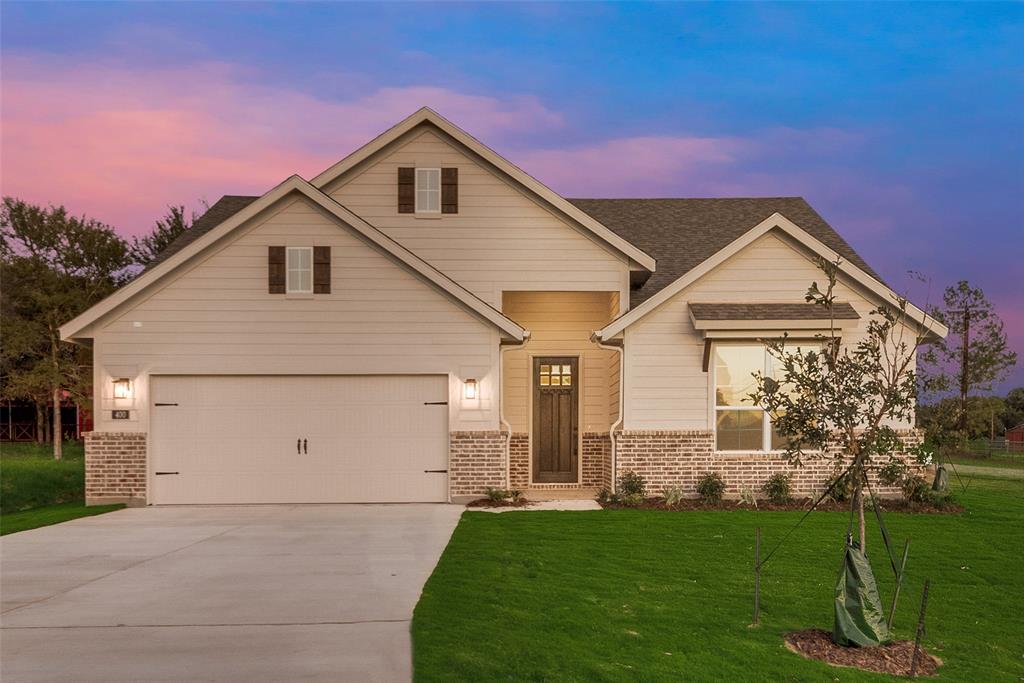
x=555 y=375
x=739 y=424
x=428 y=190
x=300 y=270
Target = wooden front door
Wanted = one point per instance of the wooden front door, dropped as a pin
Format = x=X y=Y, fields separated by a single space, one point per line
x=555 y=419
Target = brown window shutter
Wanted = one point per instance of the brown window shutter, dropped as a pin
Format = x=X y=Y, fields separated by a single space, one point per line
x=406 y=190
x=275 y=270
x=321 y=270
x=449 y=190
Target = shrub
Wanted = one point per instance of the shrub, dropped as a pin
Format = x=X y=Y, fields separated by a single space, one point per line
x=496 y=495
x=778 y=488
x=711 y=487
x=632 y=483
x=893 y=473
x=940 y=499
x=604 y=496
x=843 y=489
x=515 y=494
x=631 y=500
x=915 y=489
x=673 y=495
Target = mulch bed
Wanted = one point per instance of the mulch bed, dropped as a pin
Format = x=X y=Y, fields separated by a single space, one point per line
x=488 y=503
x=893 y=659
x=797 y=504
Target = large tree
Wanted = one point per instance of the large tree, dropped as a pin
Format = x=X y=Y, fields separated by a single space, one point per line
x=974 y=356
x=146 y=248
x=55 y=266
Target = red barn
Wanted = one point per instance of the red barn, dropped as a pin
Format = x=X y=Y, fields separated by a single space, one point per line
x=1016 y=433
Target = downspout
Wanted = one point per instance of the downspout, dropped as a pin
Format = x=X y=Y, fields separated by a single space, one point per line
x=618 y=348
x=502 y=422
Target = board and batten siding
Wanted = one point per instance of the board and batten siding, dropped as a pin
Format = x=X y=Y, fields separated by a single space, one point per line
x=666 y=386
x=217 y=317
x=560 y=324
x=499 y=240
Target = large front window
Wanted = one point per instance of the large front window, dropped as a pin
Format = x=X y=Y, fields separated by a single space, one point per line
x=739 y=424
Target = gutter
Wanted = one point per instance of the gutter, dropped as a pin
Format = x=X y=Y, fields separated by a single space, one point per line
x=620 y=349
x=502 y=422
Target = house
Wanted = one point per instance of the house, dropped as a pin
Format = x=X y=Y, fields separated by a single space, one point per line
x=1015 y=435
x=424 y=320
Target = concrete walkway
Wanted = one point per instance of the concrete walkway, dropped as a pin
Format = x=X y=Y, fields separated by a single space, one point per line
x=248 y=593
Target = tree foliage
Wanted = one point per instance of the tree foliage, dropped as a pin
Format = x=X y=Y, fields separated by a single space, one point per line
x=55 y=266
x=841 y=400
x=146 y=248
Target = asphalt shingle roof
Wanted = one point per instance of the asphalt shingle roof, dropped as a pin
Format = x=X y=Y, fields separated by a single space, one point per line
x=683 y=233
x=679 y=233
x=840 y=311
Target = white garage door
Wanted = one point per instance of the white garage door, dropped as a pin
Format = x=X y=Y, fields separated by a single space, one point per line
x=299 y=439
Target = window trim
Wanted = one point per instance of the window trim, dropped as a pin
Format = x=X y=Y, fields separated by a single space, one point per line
x=288 y=270
x=416 y=190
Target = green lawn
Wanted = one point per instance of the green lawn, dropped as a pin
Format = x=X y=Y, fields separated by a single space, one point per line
x=36 y=490
x=629 y=595
x=1015 y=462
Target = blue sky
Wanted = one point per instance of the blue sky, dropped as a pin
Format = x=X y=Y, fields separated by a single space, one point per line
x=900 y=123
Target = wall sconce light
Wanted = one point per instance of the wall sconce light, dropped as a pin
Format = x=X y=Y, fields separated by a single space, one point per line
x=470 y=388
x=122 y=388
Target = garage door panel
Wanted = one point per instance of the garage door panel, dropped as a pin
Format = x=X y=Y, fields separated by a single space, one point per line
x=365 y=439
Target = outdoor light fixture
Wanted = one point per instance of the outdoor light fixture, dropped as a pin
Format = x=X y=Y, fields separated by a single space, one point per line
x=470 y=388
x=122 y=388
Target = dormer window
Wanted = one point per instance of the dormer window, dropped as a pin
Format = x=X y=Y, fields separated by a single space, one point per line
x=428 y=190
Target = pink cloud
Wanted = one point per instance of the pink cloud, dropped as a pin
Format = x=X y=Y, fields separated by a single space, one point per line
x=120 y=144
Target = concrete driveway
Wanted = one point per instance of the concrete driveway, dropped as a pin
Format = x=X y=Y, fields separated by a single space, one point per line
x=247 y=593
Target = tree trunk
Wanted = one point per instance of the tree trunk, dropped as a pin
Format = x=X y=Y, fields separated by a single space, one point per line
x=58 y=436
x=858 y=505
x=40 y=424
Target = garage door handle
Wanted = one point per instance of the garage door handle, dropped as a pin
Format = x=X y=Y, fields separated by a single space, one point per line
x=305 y=447
x=298 y=446
x=436 y=471
x=159 y=473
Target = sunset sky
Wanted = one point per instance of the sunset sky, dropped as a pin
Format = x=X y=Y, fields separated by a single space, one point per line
x=901 y=124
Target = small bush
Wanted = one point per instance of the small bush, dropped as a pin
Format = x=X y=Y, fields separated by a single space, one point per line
x=496 y=495
x=747 y=497
x=673 y=495
x=632 y=483
x=778 y=488
x=604 y=496
x=893 y=473
x=711 y=487
x=631 y=500
x=940 y=499
x=843 y=489
x=915 y=489
x=515 y=494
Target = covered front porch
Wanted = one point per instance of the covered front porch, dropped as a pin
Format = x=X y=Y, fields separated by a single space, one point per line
x=560 y=394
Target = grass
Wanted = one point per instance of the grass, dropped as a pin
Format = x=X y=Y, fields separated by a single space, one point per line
x=11 y=522
x=36 y=490
x=1010 y=462
x=634 y=595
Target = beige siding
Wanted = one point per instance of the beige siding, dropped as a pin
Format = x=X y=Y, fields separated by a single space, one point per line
x=560 y=324
x=667 y=387
x=500 y=239
x=614 y=365
x=217 y=318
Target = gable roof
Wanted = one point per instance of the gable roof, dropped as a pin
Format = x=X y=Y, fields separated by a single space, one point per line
x=683 y=233
x=776 y=221
x=196 y=243
x=533 y=186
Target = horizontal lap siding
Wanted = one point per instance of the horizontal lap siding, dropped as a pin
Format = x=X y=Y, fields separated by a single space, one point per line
x=667 y=387
x=560 y=323
x=499 y=240
x=217 y=317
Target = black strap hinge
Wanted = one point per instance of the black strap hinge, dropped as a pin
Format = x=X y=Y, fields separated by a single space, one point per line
x=159 y=473
x=436 y=471
x=165 y=404
x=435 y=403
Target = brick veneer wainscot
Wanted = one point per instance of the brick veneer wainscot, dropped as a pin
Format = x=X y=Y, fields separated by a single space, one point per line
x=680 y=458
x=476 y=460
x=115 y=468
x=595 y=461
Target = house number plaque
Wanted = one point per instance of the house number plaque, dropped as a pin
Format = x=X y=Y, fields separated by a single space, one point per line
x=119 y=415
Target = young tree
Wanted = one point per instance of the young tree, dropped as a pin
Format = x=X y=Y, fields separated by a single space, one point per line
x=167 y=229
x=974 y=356
x=841 y=400
x=54 y=267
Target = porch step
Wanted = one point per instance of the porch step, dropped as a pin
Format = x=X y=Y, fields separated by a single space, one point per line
x=564 y=493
